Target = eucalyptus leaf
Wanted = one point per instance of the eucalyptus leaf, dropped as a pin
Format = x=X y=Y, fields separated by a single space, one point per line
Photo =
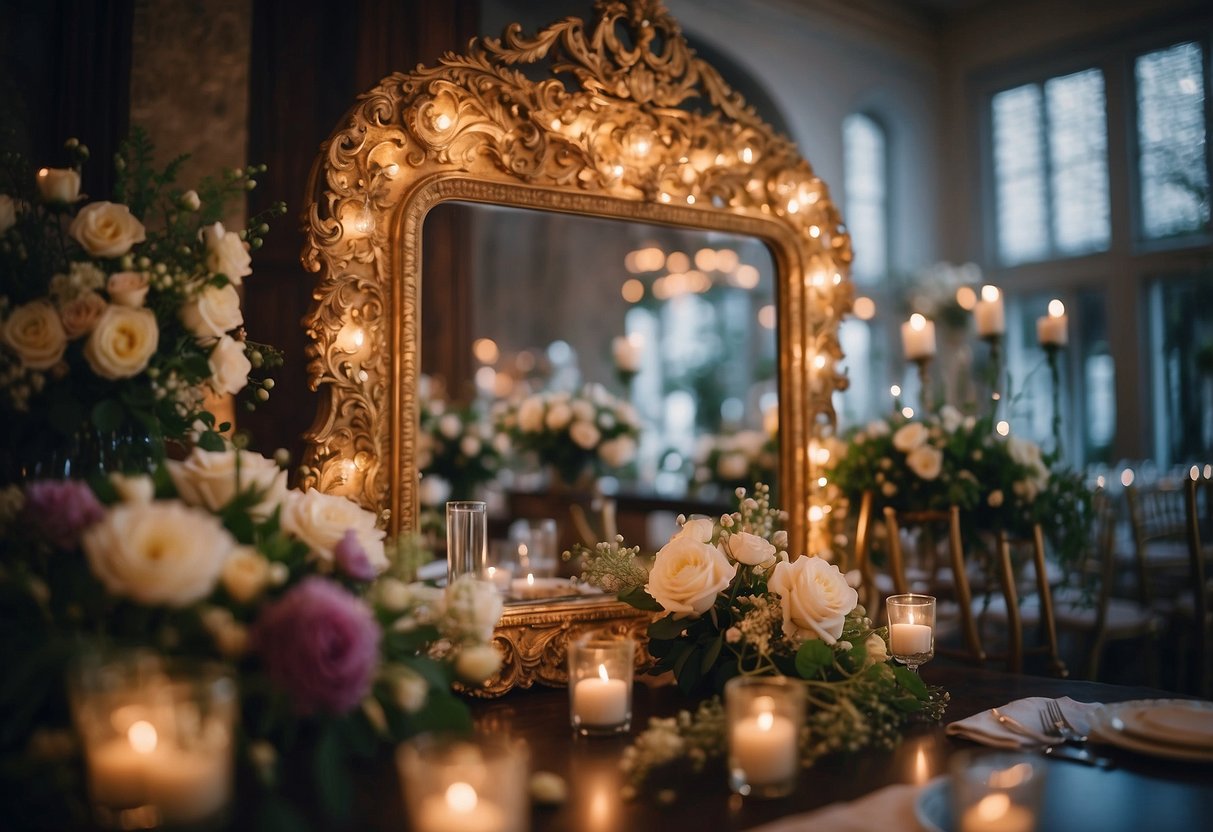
x=668 y=627
x=641 y=600
x=910 y=681
x=813 y=657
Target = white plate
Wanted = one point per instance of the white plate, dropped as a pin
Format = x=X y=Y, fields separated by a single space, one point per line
x=1126 y=725
x=933 y=808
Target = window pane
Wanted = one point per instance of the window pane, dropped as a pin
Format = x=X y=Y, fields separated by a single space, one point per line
x=1019 y=175
x=1171 y=139
x=1183 y=369
x=865 y=189
x=1078 y=158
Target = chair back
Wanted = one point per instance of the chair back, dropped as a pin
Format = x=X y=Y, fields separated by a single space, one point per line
x=925 y=520
x=1156 y=513
x=1199 y=578
x=869 y=593
x=1044 y=592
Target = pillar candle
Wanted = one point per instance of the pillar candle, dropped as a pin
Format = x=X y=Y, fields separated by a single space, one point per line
x=918 y=338
x=989 y=314
x=909 y=639
x=600 y=701
x=764 y=747
x=1051 y=328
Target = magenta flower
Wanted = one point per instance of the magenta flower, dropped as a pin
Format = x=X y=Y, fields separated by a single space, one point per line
x=62 y=510
x=320 y=646
x=351 y=558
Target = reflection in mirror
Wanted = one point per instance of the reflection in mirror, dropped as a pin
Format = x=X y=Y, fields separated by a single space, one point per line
x=670 y=329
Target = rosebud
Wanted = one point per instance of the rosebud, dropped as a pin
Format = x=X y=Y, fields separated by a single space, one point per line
x=59 y=185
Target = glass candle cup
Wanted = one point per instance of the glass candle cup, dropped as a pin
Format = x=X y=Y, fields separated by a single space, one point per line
x=911 y=628
x=467 y=535
x=996 y=791
x=765 y=715
x=157 y=738
x=475 y=784
x=533 y=544
x=600 y=684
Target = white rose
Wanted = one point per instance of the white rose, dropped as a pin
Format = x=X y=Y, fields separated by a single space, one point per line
x=229 y=366
x=878 y=651
x=209 y=479
x=618 y=452
x=583 y=410
x=35 y=333
x=475 y=664
x=434 y=490
x=908 y=437
x=8 y=212
x=470 y=446
x=815 y=598
x=107 y=229
x=450 y=425
x=409 y=690
x=473 y=608
x=246 y=574
x=321 y=520
x=122 y=342
x=59 y=184
x=698 y=529
x=127 y=288
x=530 y=415
x=138 y=488
x=996 y=498
x=950 y=418
x=158 y=553
x=732 y=466
x=688 y=574
x=749 y=549
x=215 y=311
x=880 y=428
x=558 y=415
x=584 y=434
x=80 y=314
x=926 y=461
x=190 y=200
x=225 y=253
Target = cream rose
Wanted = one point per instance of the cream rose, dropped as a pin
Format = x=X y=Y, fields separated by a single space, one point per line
x=210 y=479
x=36 y=334
x=245 y=574
x=127 y=288
x=583 y=410
x=107 y=229
x=688 y=574
x=815 y=598
x=225 y=253
x=878 y=651
x=926 y=461
x=229 y=366
x=59 y=184
x=618 y=452
x=470 y=446
x=8 y=212
x=699 y=529
x=530 y=415
x=158 y=553
x=908 y=437
x=732 y=466
x=584 y=434
x=122 y=342
x=321 y=520
x=749 y=549
x=558 y=415
x=80 y=314
x=214 y=312
x=450 y=425
x=472 y=608
x=409 y=689
x=135 y=488
x=477 y=663
x=434 y=490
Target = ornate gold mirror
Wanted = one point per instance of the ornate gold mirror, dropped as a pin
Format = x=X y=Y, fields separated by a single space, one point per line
x=618 y=120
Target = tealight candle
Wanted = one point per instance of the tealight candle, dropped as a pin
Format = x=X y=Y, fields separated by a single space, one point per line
x=459 y=807
x=1051 y=328
x=600 y=684
x=765 y=715
x=908 y=639
x=764 y=746
x=996 y=813
x=996 y=791
x=911 y=628
x=465 y=783
x=918 y=338
x=989 y=314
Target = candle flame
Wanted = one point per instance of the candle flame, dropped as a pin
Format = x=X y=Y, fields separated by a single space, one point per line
x=530 y=579
x=44 y=172
x=989 y=293
x=461 y=797
x=895 y=390
x=1056 y=308
x=993 y=806
x=492 y=570
x=602 y=674
x=142 y=737
x=765 y=720
x=918 y=322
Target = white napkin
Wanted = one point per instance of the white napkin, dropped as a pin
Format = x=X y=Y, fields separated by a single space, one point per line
x=890 y=809
x=984 y=727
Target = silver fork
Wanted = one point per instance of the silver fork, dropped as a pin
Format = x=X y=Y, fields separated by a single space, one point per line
x=1062 y=726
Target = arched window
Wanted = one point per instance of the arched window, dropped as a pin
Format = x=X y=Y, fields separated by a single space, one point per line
x=866 y=195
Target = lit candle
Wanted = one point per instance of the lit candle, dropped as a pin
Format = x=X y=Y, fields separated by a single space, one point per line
x=996 y=813
x=909 y=639
x=988 y=313
x=764 y=747
x=459 y=808
x=918 y=338
x=1051 y=329
x=117 y=769
x=628 y=352
x=600 y=701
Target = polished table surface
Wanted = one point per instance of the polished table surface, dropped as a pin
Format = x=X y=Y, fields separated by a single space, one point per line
x=1140 y=793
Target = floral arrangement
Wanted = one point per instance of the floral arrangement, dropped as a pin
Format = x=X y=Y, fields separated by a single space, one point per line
x=119 y=318
x=458 y=451
x=734 y=603
x=576 y=434
x=298 y=591
x=730 y=461
x=947 y=458
x=933 y=293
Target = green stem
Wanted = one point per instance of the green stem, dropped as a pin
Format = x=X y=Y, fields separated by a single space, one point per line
x=1051 y=352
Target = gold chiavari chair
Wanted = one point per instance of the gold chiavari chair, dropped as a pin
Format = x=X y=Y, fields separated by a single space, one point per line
x=1160 y=557
x=1198 y=614
x=869 y=592
x=962 y=597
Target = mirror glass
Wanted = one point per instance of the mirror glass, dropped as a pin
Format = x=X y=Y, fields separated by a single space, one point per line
x=675 y=326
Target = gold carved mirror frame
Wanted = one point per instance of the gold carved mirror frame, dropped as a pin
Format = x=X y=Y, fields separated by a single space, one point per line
x=625 y=123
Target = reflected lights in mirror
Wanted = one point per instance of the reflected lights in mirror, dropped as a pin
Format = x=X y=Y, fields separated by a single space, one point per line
x=864 y=308
x=766 y=316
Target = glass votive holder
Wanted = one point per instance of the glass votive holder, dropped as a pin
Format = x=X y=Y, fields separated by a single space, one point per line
x=467 y=538
x=533 y=542
x=911 y=628
x=157 y=736
x=765 y=715
x=601 y=670
x=476 y=783
x=996 y=791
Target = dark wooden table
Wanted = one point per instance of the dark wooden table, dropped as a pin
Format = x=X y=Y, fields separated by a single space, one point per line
x=1140 y=794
